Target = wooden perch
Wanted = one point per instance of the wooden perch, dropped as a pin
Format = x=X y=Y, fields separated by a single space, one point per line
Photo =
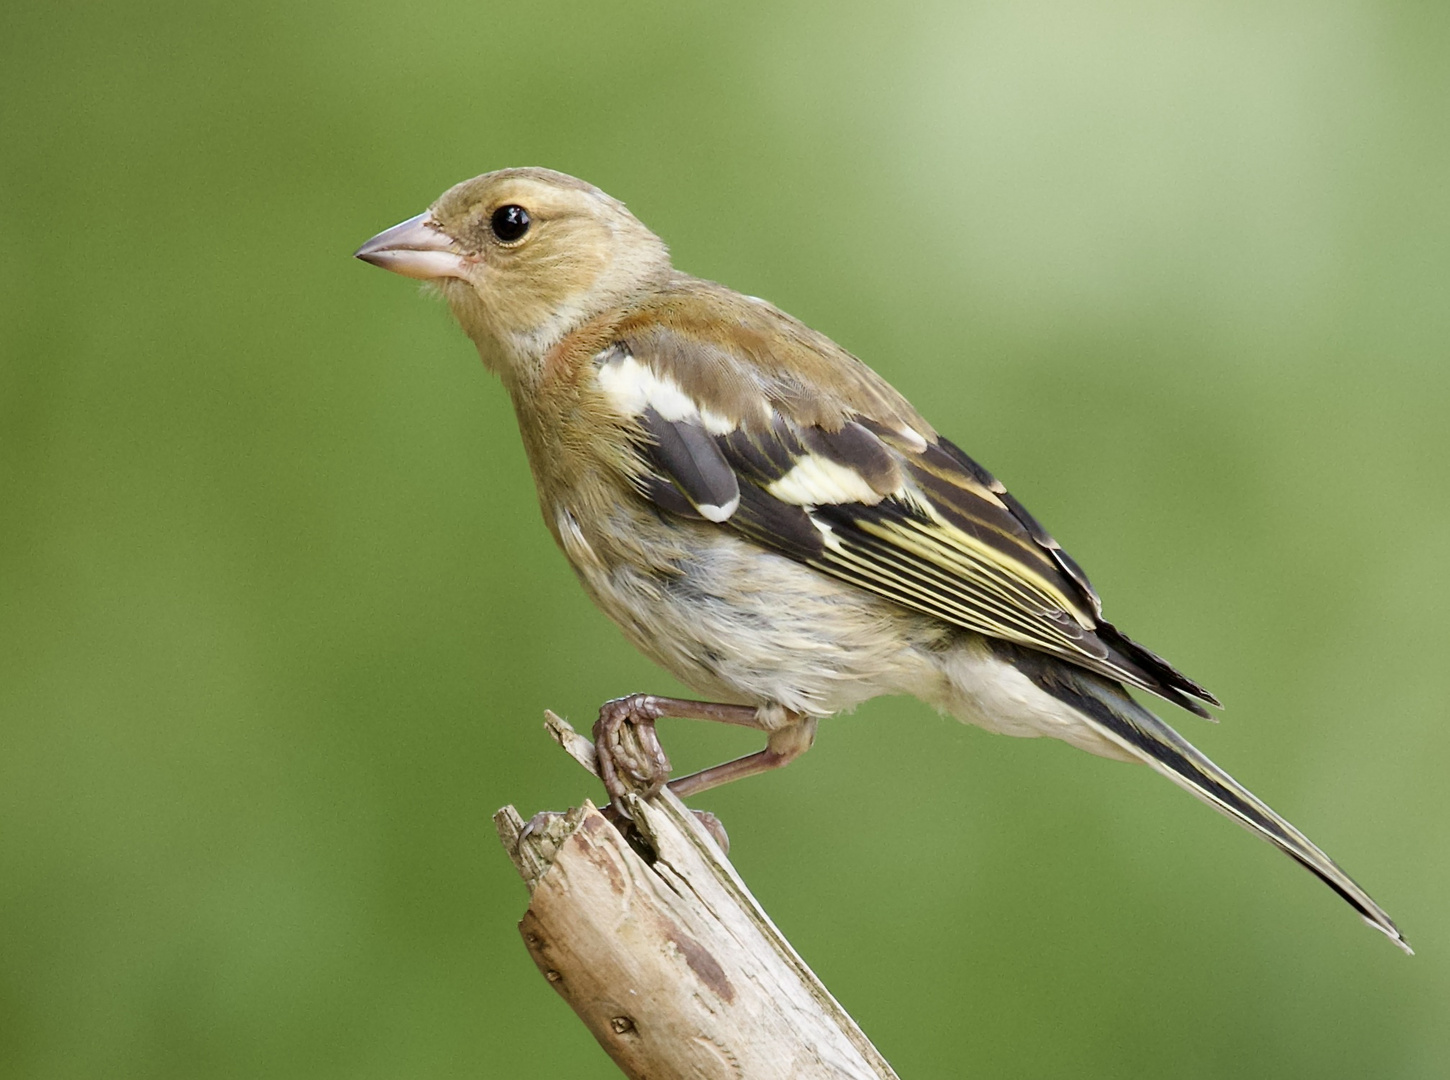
x=661 y=950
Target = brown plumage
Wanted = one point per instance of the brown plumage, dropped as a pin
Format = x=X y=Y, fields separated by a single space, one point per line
x=768 y=519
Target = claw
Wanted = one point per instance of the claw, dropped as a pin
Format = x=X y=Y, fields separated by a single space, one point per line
x=631 y=758
x=715 y=828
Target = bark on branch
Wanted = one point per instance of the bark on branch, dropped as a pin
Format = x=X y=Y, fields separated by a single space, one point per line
x=658 y=946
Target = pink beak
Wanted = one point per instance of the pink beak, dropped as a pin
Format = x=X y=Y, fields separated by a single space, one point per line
x=416 y=248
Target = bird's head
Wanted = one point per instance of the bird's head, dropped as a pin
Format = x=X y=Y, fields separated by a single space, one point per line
x=523 y=256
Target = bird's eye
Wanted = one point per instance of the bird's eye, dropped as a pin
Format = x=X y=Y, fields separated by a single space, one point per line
x=509 y=223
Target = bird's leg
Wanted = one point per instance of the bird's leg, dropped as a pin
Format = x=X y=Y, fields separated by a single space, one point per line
x=786 y=743
x=626 y=764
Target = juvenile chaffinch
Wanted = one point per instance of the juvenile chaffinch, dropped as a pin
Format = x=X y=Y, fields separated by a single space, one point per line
x=766 y=518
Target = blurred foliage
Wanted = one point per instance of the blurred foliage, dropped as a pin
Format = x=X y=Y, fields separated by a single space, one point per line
x=278 y=618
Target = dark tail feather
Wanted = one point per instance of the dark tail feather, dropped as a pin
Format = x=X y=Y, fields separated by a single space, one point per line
x=1145 y=736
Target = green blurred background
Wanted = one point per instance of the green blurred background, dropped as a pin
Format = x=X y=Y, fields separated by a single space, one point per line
x=278 y=618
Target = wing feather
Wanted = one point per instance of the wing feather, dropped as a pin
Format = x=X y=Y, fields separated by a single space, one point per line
x=865 y=491
x=691 y=458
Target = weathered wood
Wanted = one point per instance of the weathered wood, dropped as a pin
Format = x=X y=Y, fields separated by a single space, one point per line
x=663 y=953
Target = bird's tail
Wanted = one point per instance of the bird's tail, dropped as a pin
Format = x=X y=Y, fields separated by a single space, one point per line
x=1144 y=736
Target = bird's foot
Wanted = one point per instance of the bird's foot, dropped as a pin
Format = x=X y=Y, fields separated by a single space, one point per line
x=715 y=827
x=631 y=758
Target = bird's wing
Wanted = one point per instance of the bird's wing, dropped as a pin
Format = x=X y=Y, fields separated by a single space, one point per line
x=736 y=428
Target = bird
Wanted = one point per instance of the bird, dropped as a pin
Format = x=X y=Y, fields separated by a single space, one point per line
x=770 y=521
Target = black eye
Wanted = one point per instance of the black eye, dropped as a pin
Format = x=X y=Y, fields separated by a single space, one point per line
x=509 y=223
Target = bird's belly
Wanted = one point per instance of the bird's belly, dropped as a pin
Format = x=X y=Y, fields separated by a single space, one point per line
x=746 y=625
x=979 y=686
